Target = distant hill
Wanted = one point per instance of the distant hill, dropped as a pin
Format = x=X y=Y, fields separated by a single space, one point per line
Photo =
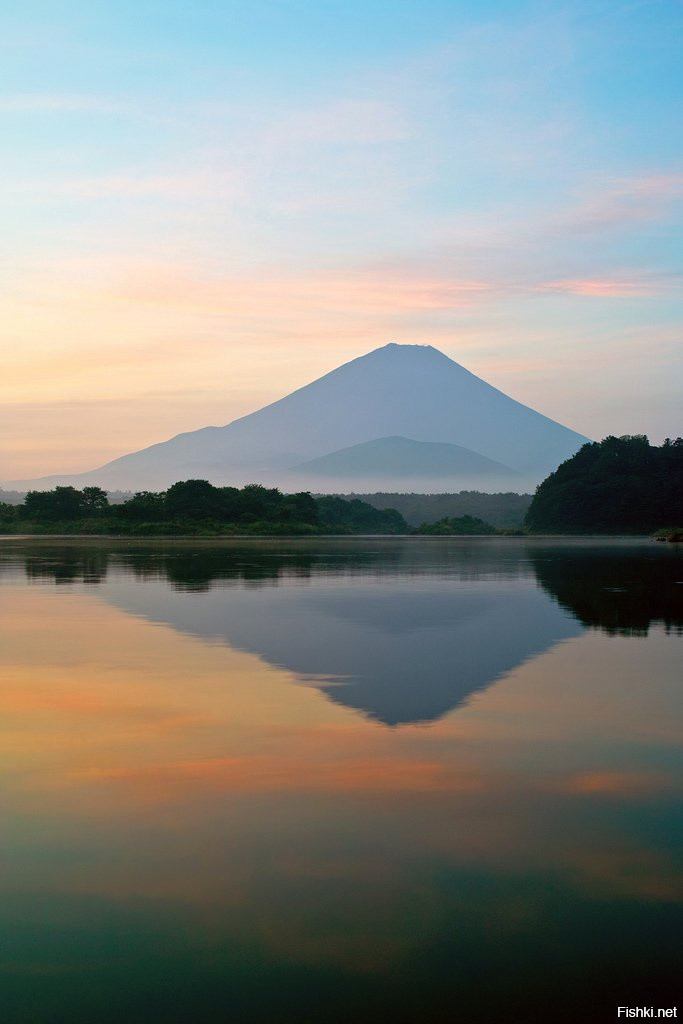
x=412 y=392
x=502 y=509
x=619 y=485
x=12 y=497
x=402 y=457
x=394 y=462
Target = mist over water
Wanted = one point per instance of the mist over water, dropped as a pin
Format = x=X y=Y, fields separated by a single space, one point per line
x=368 y=779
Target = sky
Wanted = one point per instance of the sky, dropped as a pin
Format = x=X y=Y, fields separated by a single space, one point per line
x=207 y=205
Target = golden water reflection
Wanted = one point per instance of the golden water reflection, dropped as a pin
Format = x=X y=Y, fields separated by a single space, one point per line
x=145 y=766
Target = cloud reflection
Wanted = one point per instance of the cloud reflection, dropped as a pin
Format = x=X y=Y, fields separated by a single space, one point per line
x=162 y=783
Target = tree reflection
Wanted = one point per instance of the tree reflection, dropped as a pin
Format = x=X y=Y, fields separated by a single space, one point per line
x=621 y=591
x=618 y=589
x=67 y=564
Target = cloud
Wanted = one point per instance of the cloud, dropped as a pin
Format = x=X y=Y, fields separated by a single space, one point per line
x=182 y=186
x=626 y=203
x=282 y=295
x=610 y=288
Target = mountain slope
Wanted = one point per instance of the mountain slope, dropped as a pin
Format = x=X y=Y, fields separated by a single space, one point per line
x=401 y=456
x=411 y=391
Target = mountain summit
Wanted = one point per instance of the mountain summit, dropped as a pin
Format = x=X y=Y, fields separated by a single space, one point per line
x=398 y=394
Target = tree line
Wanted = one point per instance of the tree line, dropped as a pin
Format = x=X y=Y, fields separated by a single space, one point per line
x=619 y=485
x=196 y=507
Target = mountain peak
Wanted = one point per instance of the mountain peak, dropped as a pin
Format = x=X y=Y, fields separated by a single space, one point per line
x=395 y=348
x=415 y=397
x=397 y=358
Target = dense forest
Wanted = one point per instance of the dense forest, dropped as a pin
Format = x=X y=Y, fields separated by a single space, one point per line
x=195 y=507
x=619 y=485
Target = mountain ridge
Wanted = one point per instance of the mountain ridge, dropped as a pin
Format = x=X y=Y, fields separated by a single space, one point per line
x=410 y=391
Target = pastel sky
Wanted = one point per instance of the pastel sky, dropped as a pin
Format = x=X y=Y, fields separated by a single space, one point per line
x=206 y=205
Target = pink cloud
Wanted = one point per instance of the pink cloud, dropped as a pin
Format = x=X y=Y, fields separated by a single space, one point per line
x=181 y=186
x=602 y=288
x=632 y=200
x=383 y=293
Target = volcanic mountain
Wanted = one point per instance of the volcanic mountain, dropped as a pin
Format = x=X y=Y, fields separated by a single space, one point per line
x=401 y=417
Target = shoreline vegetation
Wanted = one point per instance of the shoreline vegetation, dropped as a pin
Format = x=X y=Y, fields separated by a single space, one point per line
x=619 y=486
x=195 y=508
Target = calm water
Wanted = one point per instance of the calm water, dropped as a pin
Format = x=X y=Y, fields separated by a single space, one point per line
x=367 y=780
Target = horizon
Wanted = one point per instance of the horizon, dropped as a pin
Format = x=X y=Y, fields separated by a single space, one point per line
x=208 y=208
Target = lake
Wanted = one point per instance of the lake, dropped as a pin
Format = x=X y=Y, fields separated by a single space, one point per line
x=365 y=779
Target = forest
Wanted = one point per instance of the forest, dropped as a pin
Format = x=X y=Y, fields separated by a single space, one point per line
x=622 y=485
x=195 y=508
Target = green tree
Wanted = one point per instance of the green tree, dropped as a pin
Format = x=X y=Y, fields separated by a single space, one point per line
x=94 y=499
x=300 y=508
x=195 y=499
x=618 y=485
x=8 y=514
x=230 y=503
x=144 y=506
x=259 y=503
x=63 y=503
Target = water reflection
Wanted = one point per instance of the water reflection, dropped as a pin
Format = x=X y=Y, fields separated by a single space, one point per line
x=198 y=566
x=190 y=834
x=621 y=590
x=399 y=654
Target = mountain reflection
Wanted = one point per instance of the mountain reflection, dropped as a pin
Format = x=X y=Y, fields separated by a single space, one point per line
x=400 y=630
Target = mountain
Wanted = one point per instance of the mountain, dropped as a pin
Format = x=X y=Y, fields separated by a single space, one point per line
x=412 y=392
x=399 y=456
x=399 y=462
